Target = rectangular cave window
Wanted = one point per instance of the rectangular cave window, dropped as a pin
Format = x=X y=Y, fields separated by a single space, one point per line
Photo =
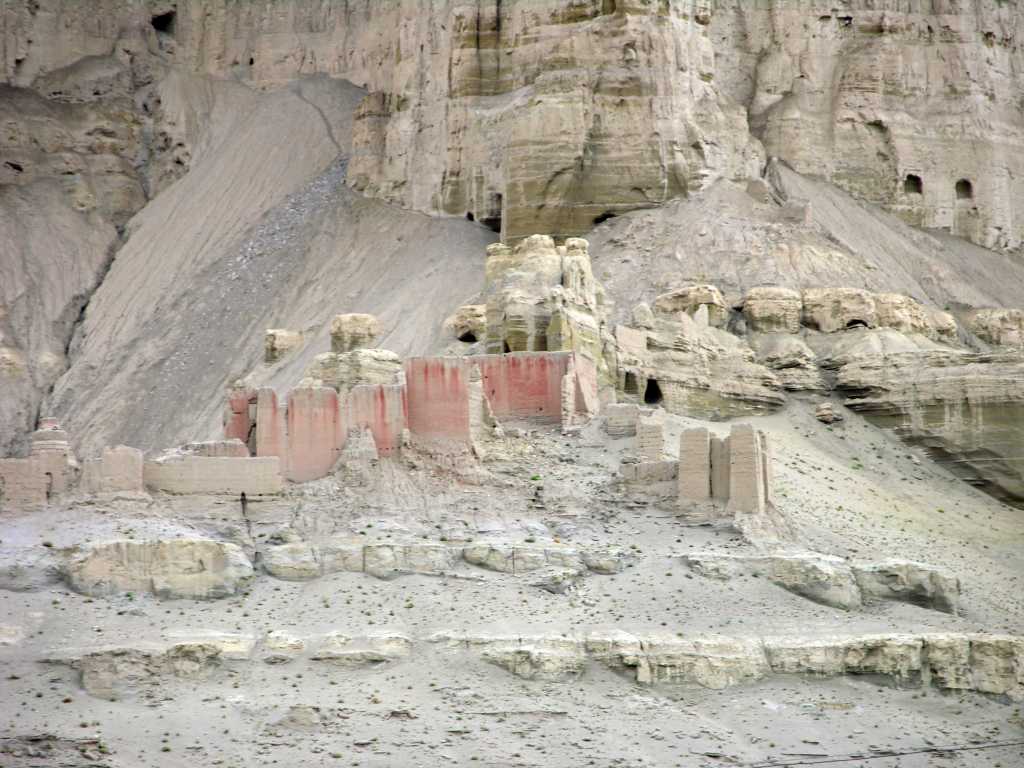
x=964 y=190
x=912 y=185
x=630 y=386
x=164 y=22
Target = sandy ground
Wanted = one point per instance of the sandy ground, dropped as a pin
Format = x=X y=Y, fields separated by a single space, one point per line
x=441 y=706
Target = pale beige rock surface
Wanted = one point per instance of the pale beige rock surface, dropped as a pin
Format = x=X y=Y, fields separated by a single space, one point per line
x=179 y=568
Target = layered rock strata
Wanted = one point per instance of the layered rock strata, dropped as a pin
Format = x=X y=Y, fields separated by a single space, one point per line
x=992 y=664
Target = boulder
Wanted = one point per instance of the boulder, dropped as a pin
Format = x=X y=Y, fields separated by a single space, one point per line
x=292 y=561
x=771 y=309
x=823 y=579
x=909 y=582
x=196 y=569
x=1001 y=327
x=344 y=370
x=469 y=323
x=278 y=342
x=690 y=299
x=340 y=649
x=826 y=414
x=835 y=309
x=353 y=331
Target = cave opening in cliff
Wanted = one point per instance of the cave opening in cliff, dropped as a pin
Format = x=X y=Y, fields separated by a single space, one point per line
x=964 y=190
x=652 y=393
x=912 y=185
x=629 y=386
x=603 y=217
x=469 y=337
x=856 y=324
x=493 y=218
x=470 y=216
x=164 y=22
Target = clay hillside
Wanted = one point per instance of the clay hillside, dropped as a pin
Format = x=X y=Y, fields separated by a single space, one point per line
x=511 y=383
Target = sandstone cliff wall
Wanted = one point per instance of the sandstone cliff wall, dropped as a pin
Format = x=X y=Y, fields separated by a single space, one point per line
x=909 y=104
x=546 y=115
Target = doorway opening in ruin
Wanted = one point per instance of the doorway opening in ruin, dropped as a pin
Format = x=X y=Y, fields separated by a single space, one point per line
x=652 y=393
x=629 y=385
x=603 y=217
x=469 y=337
x=964 y=190
x=912 y=185
x=470 y=216
x=506 y=348
x=493 y=218
x=856 y=324
x=164 y=22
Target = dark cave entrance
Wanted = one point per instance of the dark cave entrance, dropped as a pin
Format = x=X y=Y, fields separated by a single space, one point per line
x=165 y=22
x=603 y=217
x=652 y=393
x=856 y=324
x=912 y=185
x=964 y=190
x=469 y=337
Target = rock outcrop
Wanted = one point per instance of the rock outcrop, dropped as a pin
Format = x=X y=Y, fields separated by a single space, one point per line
x=543 y=297
x=986 y=663
x=299 y=560
x=838 y=582
x=949 y=661
x=687 y=366
x=195 y=569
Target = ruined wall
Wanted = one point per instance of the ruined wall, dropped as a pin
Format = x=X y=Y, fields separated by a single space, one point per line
x=524 y=386
x=117 y=470
x=438 y=397
x=214 y=474
x=382 y=409
x=315 y=433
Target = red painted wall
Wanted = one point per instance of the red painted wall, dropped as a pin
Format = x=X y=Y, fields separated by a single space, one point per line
x=315 y=433
x=236 y=418
x=383 y=409
x=438 y=398
x=525 y=385
x=269 y=425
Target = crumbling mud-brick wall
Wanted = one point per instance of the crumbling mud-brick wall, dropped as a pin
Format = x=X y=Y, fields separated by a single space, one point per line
x=525 y=386
x=23 y=485
x=444 y=401
x=382 y=409
x=650 y=438
x=214 y=475
x=240 y=416
x=437 y=392
x=118 y=470
x=314 y=434
x=735 y=470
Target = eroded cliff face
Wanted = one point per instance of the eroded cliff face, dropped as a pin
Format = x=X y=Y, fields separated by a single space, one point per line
x=546 y=115
x=912 y=105
x=539 y=116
